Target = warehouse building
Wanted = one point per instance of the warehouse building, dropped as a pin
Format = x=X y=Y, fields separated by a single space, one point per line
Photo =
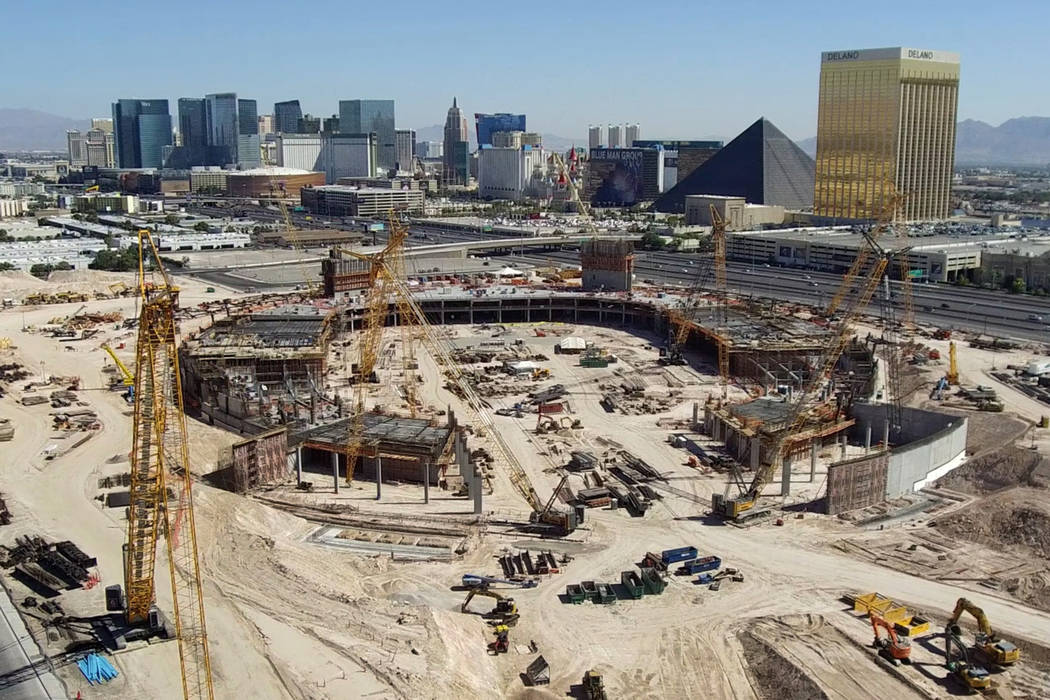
x=270 y=181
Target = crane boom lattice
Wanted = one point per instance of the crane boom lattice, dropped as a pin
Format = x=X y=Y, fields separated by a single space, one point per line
x=161 y=482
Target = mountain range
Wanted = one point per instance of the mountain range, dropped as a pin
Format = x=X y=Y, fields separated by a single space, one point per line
x=1018 y=141
x=32 y=130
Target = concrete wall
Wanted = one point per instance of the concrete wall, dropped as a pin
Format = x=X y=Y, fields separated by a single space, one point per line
x=928 y=446
x=857 y=483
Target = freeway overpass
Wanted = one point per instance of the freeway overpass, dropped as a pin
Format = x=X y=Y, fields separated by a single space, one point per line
x=458 y=249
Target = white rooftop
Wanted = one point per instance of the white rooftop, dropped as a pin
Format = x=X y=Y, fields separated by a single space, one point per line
x=269 y=171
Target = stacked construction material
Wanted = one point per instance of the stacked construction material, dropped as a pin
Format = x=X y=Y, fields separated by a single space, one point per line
x=96 y=669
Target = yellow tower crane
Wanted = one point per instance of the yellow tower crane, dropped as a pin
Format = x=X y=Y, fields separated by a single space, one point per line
x=386 y=266
x=160 y=465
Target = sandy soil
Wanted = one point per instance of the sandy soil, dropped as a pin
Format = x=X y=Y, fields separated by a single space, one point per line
x=291 y=619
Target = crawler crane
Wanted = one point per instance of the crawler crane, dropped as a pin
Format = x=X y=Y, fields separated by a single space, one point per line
x=161 y=493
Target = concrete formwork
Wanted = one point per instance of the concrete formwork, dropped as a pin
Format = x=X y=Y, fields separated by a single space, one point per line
x=857 y=483
x=925 y=447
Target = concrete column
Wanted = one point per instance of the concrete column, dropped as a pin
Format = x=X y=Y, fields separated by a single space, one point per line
x=756 y=453
x=812 y=462
x=379 y=477
x=335 y=470
x=867 y=438
x=299 y=464
x=842 y=442
x=696 y=414
x=426 y=480
x=886 y=435
x=785 y=479
x=476 y=489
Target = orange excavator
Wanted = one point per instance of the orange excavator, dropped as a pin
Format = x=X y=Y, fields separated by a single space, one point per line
x=894 y=649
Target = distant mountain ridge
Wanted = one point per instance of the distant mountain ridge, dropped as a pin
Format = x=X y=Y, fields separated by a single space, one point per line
x=33 y=130
x=1018 y=141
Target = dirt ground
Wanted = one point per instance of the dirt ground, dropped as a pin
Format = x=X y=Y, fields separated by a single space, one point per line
x=290 y=618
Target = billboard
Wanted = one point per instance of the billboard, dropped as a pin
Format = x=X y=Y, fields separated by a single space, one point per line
x=615 y=177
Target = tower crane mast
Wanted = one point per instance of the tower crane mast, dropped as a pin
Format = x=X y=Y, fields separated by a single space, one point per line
x=160 y=464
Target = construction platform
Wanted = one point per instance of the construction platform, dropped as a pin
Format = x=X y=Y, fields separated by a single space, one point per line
x=410 y=449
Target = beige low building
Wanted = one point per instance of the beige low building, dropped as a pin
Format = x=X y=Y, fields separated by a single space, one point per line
x=737 y=213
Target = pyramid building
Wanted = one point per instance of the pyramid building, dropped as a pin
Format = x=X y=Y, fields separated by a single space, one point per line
x=761 y=164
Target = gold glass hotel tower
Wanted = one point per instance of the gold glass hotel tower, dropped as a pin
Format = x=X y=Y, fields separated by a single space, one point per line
x=886 y=120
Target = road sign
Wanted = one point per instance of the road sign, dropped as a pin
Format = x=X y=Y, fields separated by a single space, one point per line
x=915 y=273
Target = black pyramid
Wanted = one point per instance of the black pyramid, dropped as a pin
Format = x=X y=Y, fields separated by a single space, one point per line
x=761 y=164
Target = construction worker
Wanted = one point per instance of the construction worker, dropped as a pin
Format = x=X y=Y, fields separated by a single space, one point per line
x=501 y=642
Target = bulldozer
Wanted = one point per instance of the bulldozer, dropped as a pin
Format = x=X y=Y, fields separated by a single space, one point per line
x=891 y=647
x=505 y=612
x=996 y=651
x=593 y=687
x=970 y=676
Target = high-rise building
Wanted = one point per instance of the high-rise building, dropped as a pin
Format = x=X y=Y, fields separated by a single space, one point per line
x=430 y=149
x=632 y=133
x=615 y=136
x=265 y=125
x=406 y=149
x=76 y=144
x=220 y=111
x=102 y=124
x=509 y=172
x=193 y=130
x=336 y=155
x=249 y=151
x=142 y=128
x=595 y=137
x=681 y=157
x=100 y=146
x=457 y=148
x=371 y=117
x=286 y=116
x=885 y=123
x=309 y=124
x=331 y=124
x=488 y=124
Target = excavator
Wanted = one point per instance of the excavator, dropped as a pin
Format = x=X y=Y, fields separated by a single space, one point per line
x=972 y=677
x=891 y=647
x=506 y=610
x=997 y=651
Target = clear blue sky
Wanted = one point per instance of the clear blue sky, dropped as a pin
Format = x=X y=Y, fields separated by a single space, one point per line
x=680 y=69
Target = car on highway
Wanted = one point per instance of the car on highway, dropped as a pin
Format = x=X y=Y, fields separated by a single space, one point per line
x=1035 y=317
x=944 y=305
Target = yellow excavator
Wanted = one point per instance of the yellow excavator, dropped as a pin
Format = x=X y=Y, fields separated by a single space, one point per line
x=998 y=651
x=128 y=377
x=506 y=610
x=970 y=676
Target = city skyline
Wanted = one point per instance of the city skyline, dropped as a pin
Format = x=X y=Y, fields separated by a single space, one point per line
x=773 y=76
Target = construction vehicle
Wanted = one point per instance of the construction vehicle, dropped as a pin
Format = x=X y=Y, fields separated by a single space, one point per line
x=541 y=373
x=893 y=648
x=506 y=610
x=593 y=686
x=161 y=490
x=938 y=391
x=128 y=378
x=856 y=296
x=970 y=676
x=953 y=366
x=502 y=642
x=996 y=650
x=942 y=334
x=475 y=580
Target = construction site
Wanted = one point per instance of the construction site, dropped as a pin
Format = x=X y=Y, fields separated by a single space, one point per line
x=515 y=486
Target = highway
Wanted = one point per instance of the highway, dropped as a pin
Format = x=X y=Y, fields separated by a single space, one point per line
x=948 y=306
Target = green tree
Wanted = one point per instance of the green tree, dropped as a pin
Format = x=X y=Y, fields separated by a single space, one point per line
x=63 y=266
x=652 y=240
x=40 y=270
x=116 y=260
x=171 y=219
x=201 y=226
x=6 y=266
x=1017 y=286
